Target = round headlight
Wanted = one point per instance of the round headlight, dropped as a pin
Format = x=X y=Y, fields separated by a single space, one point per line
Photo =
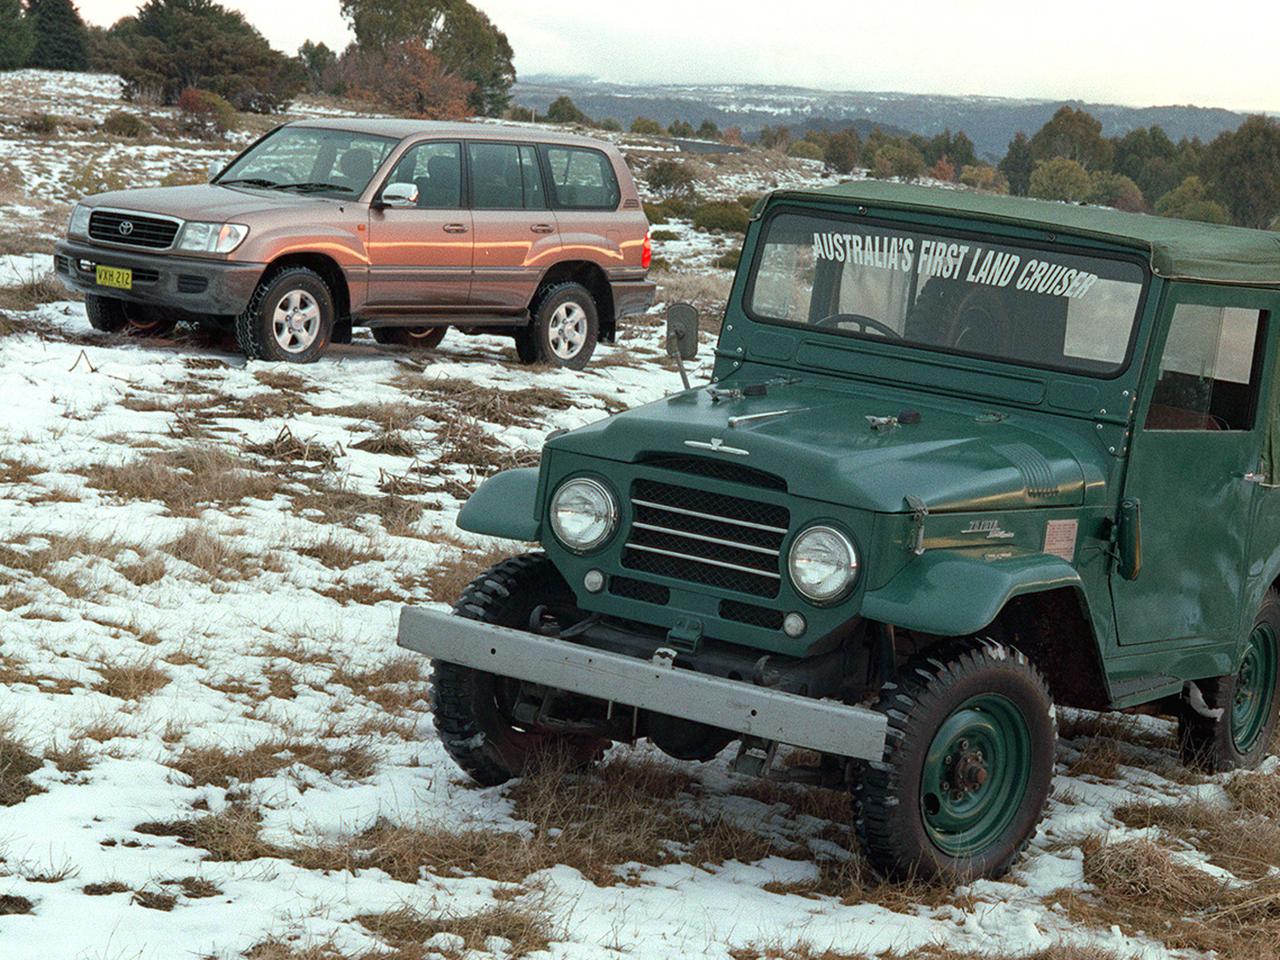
x=584 y=514
x=823 y=564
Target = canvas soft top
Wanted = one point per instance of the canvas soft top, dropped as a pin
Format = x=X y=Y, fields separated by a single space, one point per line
x=1178 y=249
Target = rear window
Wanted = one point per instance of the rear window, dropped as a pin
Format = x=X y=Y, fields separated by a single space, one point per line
x=582 y=179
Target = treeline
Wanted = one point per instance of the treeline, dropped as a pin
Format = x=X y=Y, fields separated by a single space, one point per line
x=1233 y=179
x=441 y=59
x=564 y=110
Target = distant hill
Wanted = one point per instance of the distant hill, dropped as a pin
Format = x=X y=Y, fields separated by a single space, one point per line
x=990 y=122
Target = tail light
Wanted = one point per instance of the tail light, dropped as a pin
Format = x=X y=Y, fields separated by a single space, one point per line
x=646 y=252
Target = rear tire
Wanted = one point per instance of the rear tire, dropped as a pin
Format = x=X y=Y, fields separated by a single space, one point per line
x=289 y=317
x=415 y=338
x=564 y=330
x=1248 y=699
x=117 y=316
x=469 y=706
x=967 y=766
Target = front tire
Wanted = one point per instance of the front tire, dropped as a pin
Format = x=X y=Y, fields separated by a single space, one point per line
x=967 y=767
x=290 y=317
x=470 y=707
x=415 y=338
x=117 y=316
x=564 y=330
x=1248 y=699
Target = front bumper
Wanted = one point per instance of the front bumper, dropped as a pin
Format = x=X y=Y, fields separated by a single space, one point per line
x=823 y=725
x=632 y=296
x=185 y=283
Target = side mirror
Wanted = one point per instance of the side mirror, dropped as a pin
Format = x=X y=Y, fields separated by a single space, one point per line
x=682 y=331
x=399 y=195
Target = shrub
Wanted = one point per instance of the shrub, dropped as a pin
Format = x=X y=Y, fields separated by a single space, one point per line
x=681 y=128
x=1060 y=179
x=670 y=178
x=730 y=260
x=749 y=200
x=805 y=150
x=681 y=207
x=729 y=217
x=1117 y=190
x=41 y=124
x=646 y=127
x=980 y=176
x=656 y=213
x=406 y=78
x=1190 y=200
x=842 y=151
x=121 y=124
x=897 y=158
x=564 y=110
x=662 y=236
x=205 y=113
x=610 y=124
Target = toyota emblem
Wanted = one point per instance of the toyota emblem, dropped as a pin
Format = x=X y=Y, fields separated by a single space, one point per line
x=126 y=227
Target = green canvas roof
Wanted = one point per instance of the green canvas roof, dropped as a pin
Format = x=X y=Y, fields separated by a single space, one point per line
x=1178 y=249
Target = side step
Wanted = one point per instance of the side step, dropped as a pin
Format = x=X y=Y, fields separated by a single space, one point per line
x=658 y=685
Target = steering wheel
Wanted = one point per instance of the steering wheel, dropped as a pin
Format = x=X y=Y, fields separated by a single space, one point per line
x=859 y=320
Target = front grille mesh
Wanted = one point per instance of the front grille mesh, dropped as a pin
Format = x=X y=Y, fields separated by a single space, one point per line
x=139 y=231
x=725 y=542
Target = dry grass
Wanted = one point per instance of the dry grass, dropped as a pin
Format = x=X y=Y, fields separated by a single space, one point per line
x=223 y=767
x=341 y=505
x=447 y=578
x=34 y=291
x=388 y=417
x=146 y=571
x=278 y=949
x=1244 y=841
x=186 y=479
x=17 y=763
x=212 y=555
x=12 y=904
x=393 y=443
x=74 y=757
x=131 y=680
x=231 y=835
x=528 y=929
x=395 y=686
x=341 y=554
x=14 y=672
x=1257 y=793
x=294 y=453
x=282 y=380
x=14 y=472
x=104 y=889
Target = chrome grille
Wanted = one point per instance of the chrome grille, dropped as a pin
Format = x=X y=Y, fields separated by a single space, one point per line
x=132 y=230
x=706 y=538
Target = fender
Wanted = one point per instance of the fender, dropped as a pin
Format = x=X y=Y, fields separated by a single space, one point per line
x=953 y=594
x=505 y=506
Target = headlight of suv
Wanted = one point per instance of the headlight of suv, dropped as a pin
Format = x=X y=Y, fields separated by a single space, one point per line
x=79 y=225
x=584 y=514
x=212 y=237
x=823 y=564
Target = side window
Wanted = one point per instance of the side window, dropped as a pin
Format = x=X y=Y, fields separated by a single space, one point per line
x=1210 y=371
x=497 y=181
x=582 y=179
x=531 y=173
x=435 y=168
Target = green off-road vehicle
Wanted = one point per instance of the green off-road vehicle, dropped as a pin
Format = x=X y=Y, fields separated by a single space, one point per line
x=962 y=458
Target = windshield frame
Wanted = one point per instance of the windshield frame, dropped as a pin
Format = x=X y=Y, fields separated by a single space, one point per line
x=224 y=173
x=919 y=222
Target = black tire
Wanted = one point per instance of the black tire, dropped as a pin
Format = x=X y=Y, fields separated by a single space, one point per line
x=564 y=330
x=116 y=316
x=897 y=815
x=296 y=287
x=415 y=338
x=1219 y=745
x=467 y=704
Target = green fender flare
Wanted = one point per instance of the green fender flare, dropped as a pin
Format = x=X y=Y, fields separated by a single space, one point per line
x=955 y=595
x=505 y=506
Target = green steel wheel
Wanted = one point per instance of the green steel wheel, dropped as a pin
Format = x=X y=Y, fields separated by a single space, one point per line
x=967 y=765
x=1243 y=706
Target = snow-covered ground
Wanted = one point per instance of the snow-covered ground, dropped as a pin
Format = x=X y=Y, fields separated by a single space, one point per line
x=210 y=745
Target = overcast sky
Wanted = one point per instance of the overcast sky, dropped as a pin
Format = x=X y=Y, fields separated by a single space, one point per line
x=1220 y=54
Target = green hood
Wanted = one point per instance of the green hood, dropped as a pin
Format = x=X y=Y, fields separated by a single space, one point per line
x=956 y=458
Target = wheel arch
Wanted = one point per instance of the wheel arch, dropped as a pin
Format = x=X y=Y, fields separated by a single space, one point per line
x=591 y=276
x=328 y=269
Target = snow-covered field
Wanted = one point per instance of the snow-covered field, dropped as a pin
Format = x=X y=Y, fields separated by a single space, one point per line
x=211 y=747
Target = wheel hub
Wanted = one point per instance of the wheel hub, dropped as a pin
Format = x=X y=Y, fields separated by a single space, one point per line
x=1255 y=689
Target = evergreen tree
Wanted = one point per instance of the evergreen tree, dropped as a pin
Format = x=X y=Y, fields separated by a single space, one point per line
x=61 y=38
x=564 y=110
x=15 y=36
x=1017 y=165
x=1190 y=201
x=1061 y=179
x=1243 y=170
x=319 y=62
x=1076 y=135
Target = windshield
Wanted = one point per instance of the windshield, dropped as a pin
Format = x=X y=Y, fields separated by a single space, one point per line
x=966 y=296
x=333 y=163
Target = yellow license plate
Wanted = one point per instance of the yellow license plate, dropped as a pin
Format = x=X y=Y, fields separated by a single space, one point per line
x=118 y=277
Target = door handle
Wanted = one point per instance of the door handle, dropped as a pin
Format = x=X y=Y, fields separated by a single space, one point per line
x=543 y=228
x=455 y=228
x=1260 y=479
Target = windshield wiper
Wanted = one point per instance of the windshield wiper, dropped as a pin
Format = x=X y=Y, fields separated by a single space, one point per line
x=313 y=187
x=250 y=182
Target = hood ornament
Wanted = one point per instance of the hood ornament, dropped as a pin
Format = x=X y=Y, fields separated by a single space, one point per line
x=716 y=445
